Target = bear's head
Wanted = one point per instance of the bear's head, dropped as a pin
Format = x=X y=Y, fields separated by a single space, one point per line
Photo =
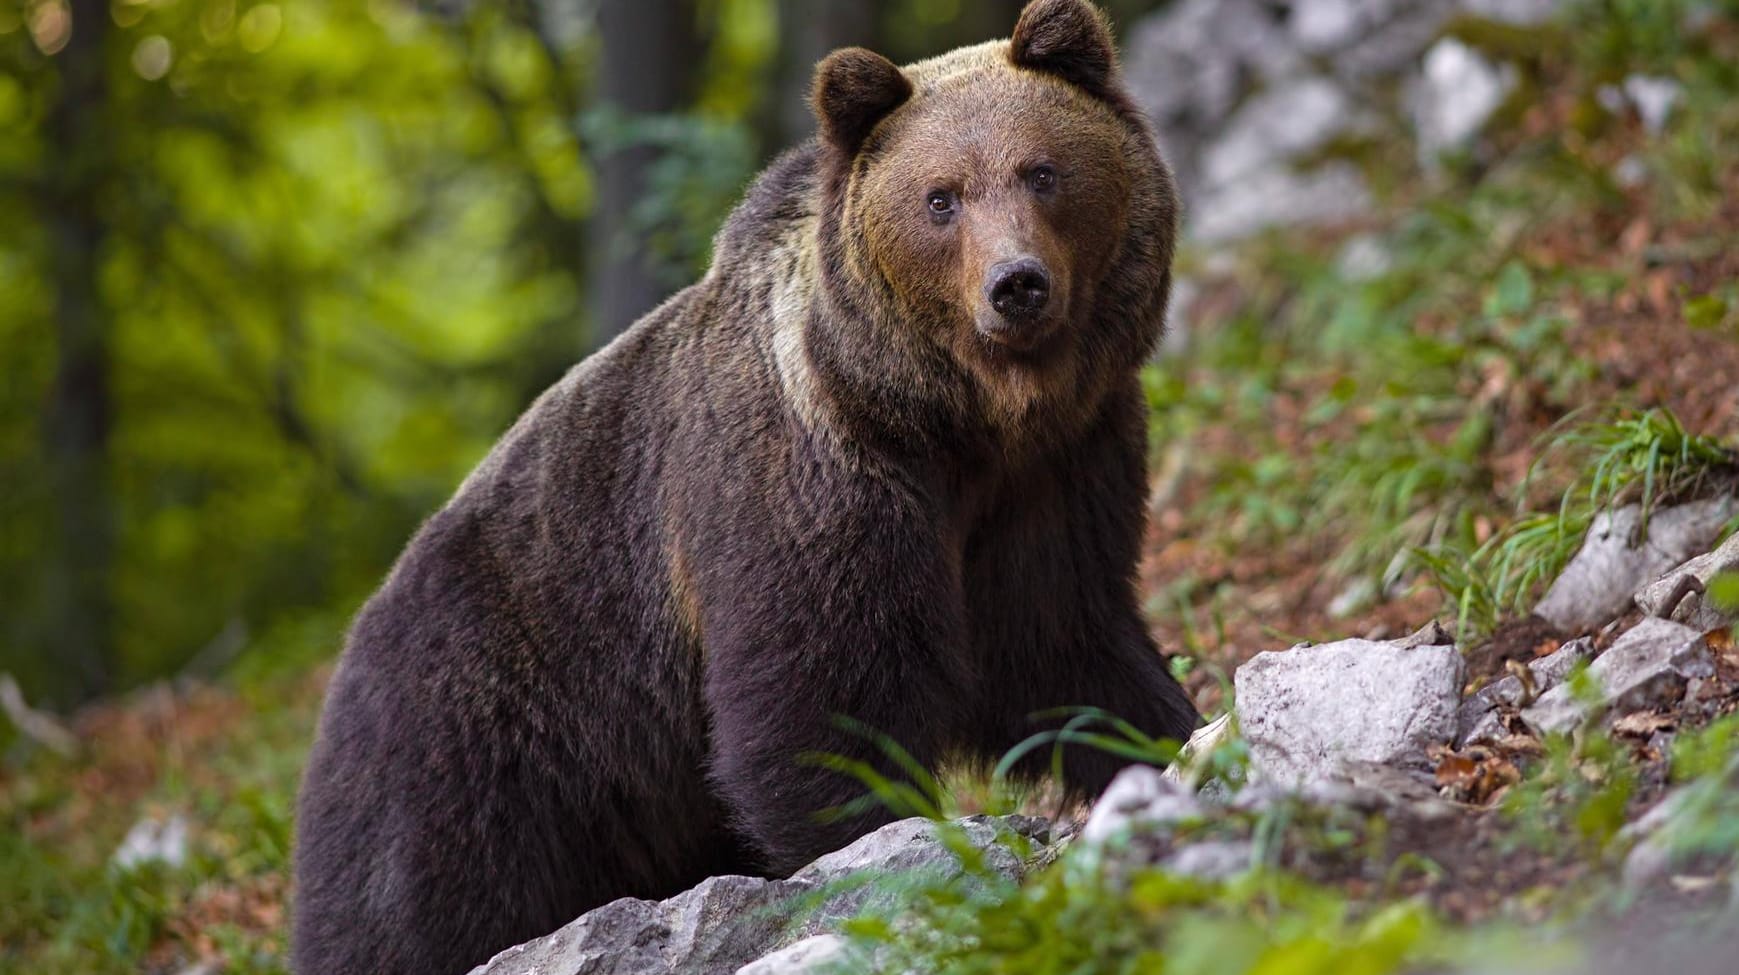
x=998 y=228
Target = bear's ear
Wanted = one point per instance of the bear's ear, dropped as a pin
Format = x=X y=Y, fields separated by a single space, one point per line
x=855 y=89
x=1067 y=38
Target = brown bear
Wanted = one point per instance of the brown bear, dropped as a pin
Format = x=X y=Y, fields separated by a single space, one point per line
x=886 y=461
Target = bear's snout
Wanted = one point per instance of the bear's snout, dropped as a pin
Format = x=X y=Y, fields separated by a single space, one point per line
x=1019 y=289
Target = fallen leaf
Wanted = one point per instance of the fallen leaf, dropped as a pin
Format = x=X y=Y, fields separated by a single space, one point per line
x=1520 y=745
x=1641 y=724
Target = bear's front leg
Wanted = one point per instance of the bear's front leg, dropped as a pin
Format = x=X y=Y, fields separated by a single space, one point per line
x=1053 y=609
x=832 y=600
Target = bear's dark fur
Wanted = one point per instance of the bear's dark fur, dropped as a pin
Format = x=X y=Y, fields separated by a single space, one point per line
x=844 y=474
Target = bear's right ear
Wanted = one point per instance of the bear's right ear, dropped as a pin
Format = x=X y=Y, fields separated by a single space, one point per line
x=855 y=89
x=1068 y=38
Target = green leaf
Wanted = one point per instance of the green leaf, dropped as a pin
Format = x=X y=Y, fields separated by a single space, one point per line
x=1705 y=312
x=1513 y=293
x=1723 y=592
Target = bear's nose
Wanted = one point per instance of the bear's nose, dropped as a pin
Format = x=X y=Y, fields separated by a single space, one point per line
x=1019 y=288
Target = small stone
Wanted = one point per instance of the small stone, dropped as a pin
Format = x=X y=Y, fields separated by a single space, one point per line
x=1212 y=859
x=1432 y=634
x=1140 y=798
x=1478 y=719
x=1308 y=712
x=1630 y=172
x=1650 y=855
x=153 y=840
x=1457 y=93
x=1518 y=12
x=1323 y=25
x=1186 y=770
x=1647 y=667
x=1363 y=258
x=1686 y=583
x=1599 y=582
x=1654 y=99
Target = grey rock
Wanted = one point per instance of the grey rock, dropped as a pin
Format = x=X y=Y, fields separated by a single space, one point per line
x=725 y=923
x=1650 y=854
x=153 y=840
x=1649 y=665
x=1191 y=62
x=1487 y=727
x=1368 y=37
x=1631 y=171
x=1212 y=859
x=1248 y=179
x=1309 y=712
x=1391 y=47
x=1190 y=65
x=1457 y=92
x=718 y=926
x=912 y=844
x=1362 y=258
x=1277 y=126
x=1477 y=719
x=811 y=956
x=1519 y=12
x=1654 y=99
x=1599 y=582
x=1359 y=786
x=1276 y=66
x=1687 y=582
x=1191 y=765
x=1324 y=25
x=1140 y=798
x=1432 y=634
x=1279 y=197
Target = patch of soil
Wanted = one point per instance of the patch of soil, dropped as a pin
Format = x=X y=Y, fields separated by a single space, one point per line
x=1468 y=865
x=1525 y=640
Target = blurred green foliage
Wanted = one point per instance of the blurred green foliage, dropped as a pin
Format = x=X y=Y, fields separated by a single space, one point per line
x=326 y=290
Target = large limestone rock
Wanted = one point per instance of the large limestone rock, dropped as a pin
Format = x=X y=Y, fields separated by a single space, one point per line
x=1310 y=712
x=1598 y=583
x=811 y=956
x=1245 y=94
x=727 y=923
x=1650 y=665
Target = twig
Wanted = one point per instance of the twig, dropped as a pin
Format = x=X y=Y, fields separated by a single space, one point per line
x=39 y=726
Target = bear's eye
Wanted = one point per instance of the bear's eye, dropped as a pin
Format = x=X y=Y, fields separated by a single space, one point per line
x=941 y=203
x=1042 y=179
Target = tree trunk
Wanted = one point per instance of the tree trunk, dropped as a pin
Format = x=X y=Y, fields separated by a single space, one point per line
x=80 y=413
x=651 y=54
x=808 y=30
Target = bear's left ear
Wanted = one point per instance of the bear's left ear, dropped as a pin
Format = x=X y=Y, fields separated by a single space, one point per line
x=1067 y=38
x=855 y=89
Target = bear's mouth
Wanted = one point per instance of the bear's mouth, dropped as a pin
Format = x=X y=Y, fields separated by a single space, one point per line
x=1025 y=338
